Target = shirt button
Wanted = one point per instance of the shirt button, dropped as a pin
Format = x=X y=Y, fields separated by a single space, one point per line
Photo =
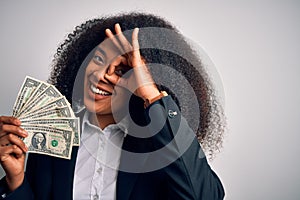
x=101 y=146
x=96 y=197
x=99 y=170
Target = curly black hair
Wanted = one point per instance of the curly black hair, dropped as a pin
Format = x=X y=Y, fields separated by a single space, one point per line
x=160 y=43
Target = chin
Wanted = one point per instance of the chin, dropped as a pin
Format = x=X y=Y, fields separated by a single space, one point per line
x=98 y=109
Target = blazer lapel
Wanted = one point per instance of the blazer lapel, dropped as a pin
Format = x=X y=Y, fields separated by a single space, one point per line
x=130 y=166
x=63 y=172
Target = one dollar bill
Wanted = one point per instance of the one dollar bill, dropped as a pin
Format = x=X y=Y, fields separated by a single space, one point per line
x=49 y=141
x=28 y=87
x=47 y=116
x=71 y=124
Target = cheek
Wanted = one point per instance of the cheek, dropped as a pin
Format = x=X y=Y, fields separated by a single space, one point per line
x=85 y=82
x=87 y=101
x=121 y=99
x=88 y=71
x=85 y=89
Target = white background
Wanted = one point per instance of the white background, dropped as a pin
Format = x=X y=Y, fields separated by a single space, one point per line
x=254 y=45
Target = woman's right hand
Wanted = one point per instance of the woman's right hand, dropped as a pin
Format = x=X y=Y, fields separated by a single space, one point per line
x=12 y=150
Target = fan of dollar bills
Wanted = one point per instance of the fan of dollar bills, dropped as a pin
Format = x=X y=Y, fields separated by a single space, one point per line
x=48 y=118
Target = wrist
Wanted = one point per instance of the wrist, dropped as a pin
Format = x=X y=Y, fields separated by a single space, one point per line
x=148 y=92
x=14 y=182
x=156 y=98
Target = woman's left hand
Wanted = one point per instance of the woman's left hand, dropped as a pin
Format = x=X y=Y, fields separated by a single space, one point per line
x=136 y=77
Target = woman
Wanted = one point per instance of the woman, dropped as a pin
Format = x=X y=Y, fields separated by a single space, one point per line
x=135 y=143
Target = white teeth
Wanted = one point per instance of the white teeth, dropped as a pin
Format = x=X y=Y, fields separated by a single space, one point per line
x=98 y=91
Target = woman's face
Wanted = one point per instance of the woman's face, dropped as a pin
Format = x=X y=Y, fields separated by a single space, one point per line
x=99 y=94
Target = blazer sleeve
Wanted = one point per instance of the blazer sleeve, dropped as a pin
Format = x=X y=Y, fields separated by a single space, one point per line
x=23 y=192
x=189 y=175
x=31 y=183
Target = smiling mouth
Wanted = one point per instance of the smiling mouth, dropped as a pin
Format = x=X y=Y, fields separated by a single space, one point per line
x=98 y=91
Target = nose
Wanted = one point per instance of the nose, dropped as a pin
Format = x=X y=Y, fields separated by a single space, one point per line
x=99 y=75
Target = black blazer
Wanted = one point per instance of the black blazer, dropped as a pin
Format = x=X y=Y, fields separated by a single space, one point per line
x=188 y=176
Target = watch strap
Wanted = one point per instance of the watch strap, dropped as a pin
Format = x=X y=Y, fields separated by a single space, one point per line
x=150 y=101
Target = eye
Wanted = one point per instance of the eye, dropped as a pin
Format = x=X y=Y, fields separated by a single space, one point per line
x=98 y=60
x=120 y=72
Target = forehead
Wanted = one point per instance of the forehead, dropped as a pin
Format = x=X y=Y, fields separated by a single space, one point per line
x=108 y=48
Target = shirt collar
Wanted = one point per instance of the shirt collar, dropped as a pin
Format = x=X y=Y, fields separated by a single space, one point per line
x=122 y=125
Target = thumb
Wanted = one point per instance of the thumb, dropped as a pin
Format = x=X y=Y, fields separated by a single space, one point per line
x=116 y=80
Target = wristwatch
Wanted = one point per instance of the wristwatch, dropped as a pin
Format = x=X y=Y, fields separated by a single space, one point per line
x=150 y=101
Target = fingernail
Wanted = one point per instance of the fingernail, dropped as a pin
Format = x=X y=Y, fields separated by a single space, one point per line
x=17 y=122
x=118 y=25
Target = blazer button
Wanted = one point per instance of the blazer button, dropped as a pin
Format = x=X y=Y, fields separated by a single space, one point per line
x=96 y=197
x=172 y=113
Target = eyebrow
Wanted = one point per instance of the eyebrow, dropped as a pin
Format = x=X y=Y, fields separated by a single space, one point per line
x=101 y=51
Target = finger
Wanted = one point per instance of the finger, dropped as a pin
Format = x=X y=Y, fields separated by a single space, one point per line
x=118 y=81
x=6 y=151
x=10 y=120
x=113 y=78
x=7 y=128
x=114 y=40
x=135 y=44
x=127 y=47
x=118 y=61
x=14 y=140
x=129 y=84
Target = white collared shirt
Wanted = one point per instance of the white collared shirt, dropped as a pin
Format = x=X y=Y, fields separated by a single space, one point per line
x=97 y=161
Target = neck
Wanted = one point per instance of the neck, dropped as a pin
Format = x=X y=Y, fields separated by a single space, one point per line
x=102 y=120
